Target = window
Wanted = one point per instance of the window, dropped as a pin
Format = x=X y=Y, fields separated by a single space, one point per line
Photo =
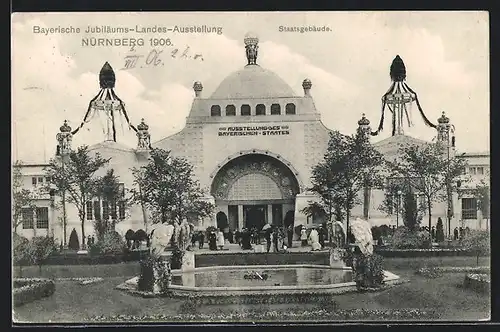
x=260 y=109
x=40 y=180
x=27 y=214
x=97 y=210
x=275 y=109
x=230 y=110
x=290 y=108
x=88 y=210
x=121 y=210
x=33 y=181
x=469 y=208
x=113 y=210
x=215 y=110
x=245 y=110
x=42 y=217
x=105 y=210
x=480 y=170
x=472 y=170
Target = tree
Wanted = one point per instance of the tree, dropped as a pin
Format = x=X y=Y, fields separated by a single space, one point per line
x=427 y=171
x=109 y=190
x=21 y=198
x=349 y=165
x=166 y=187
x=76 y=176
x=410 y=210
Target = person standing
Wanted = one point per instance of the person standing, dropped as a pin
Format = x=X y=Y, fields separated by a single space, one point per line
x=269 y=233
x=289 y=231
x=433 y=233
x=220 y=239
x=321 y=235
x=275 y=240
x=303 y=236
x=212 y=240
x=455 y=234
x=201 y=239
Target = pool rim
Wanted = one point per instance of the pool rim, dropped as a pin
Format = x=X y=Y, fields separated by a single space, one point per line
x=389 y=278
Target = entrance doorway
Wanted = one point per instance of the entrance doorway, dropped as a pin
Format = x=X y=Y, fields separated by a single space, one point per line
x=222 y=223
x=255 y=216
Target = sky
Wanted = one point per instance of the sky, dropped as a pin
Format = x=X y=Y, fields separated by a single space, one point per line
x=54 y=76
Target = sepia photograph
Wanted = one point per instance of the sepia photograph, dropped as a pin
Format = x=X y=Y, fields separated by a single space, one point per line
x=250 y=167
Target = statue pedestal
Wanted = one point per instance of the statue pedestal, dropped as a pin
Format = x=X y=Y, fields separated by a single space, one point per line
x=336 y=258
x=187 y=261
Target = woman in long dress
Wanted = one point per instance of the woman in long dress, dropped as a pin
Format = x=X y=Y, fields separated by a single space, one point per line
x=220 y=239
x=314 y=239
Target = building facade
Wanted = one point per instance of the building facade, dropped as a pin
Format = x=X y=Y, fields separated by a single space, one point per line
x=252 y=143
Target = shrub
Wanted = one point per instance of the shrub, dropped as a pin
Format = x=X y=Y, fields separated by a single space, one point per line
x=147 y=277
x=74 y=243
x=176 y=258
x=19 y=249
x=404 y=238
x=39 y=249
x=439 y=230
x=29 y=290
x=368 y=270
x=111 y=243
x=477 y=241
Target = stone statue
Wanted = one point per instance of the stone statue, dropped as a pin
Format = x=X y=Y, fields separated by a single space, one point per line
x=64 y=138
x=160 y=237
x=144 y=139
x=143 y=136
x=361 y=230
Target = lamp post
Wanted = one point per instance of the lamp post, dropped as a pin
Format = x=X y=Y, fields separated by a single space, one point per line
x=398 y=207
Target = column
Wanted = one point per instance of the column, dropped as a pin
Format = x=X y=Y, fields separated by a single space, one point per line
x=270 y=214
x=240 y=217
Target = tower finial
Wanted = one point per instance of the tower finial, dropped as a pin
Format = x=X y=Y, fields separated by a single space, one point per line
x=398 y=69
x=107 y=77
x=251 y=46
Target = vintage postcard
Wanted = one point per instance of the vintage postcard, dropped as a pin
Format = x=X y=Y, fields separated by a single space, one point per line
x=250 y=167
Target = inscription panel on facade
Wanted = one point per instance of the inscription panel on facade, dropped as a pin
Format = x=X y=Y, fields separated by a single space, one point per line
x=267 y=130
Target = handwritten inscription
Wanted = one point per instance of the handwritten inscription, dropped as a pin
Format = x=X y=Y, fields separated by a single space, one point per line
x=254 y=131
x=156 y=57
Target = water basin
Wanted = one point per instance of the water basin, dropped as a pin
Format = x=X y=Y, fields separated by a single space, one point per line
x=258 y=277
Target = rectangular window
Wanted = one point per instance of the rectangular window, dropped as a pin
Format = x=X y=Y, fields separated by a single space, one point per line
x=105 y=210
x=480 y=170
x=472 y=170
x=27 y=214
x=88 y=210
x=40 y=180
x=97 y=210
x=121 y=210
x=469 y=208
x=113 y=210
x=33 y=181
x=42 y=217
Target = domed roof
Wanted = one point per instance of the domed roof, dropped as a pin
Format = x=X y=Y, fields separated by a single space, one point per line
x=253 y=81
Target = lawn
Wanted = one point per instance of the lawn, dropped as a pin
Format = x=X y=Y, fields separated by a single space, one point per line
x=72 y=302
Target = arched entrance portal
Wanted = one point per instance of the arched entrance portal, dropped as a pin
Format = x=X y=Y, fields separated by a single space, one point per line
x=255 y=189
x=221 y=221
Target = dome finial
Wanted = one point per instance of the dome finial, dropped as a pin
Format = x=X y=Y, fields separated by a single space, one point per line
x=251 y=46
x=198 y=88
x=307 y=85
